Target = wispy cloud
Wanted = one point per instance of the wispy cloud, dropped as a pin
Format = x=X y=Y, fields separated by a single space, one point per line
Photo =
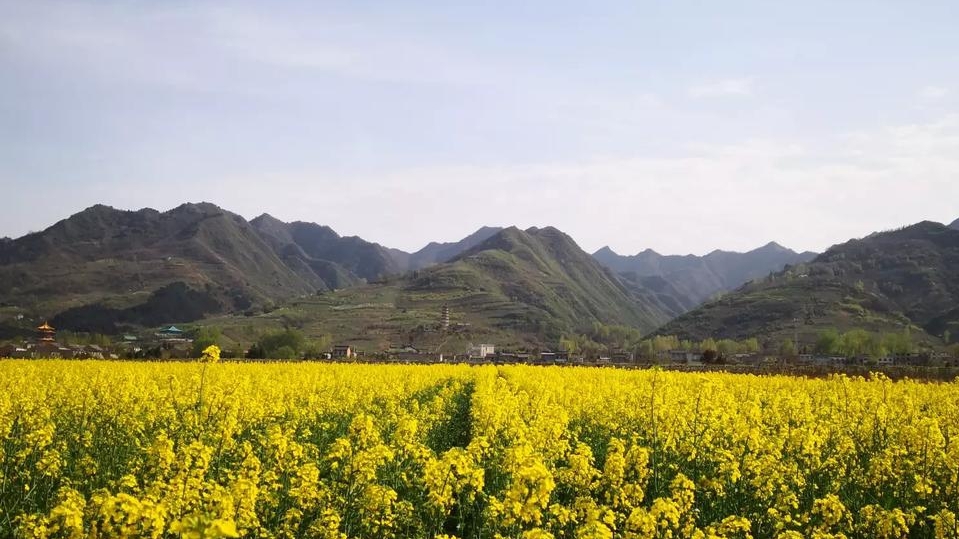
x=416 y=112
x=806 y=195
x=739 y=87
x=933 y=92
x=733 y=196
x=238 y=49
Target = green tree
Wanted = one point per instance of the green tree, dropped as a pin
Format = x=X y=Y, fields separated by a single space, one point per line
x=205 y=337
x=601 y=333
x=710 y=356
x=751 y=346
x=787 y=349
x=708 y=344
x=316 y=348
x=283 y=352
x=616 y=337
x=590 y=348
x=898 y=343
x=569 y=345
x=728 y=347
x=854 y=343
x=255 y=352
x=945 y=336
x=289 y=340
x=664 y=343
x=859 y=342
x=828 y=342
x=646 y=349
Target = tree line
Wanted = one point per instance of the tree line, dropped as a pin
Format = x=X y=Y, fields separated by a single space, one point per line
x=286 y=343
x=603 y=338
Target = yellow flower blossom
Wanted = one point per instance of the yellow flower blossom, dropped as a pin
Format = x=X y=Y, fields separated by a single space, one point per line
x=335 y=451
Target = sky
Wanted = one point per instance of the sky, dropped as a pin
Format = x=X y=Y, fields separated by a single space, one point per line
x=679 y=126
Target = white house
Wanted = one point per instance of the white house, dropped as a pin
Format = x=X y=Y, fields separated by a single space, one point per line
x=481 y=351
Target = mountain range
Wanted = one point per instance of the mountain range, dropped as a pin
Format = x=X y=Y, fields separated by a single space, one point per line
x=696 y=279
x=519 y=287
x=107 y=270
x=437 y=253
x=322 y=257
x=886 y=282
x=103 y=267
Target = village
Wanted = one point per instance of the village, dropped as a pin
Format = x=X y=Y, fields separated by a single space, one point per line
x=174 y=344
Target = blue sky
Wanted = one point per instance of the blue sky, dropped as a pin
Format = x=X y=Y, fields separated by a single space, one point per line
x=680 y=126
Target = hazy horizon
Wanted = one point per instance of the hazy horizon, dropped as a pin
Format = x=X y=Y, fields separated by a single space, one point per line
x=679 y=127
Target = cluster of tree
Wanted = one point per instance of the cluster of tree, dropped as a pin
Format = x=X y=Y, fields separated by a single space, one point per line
x=862 y=343
x=608 y=339
x=600 y=339
x=289 y=344
x=729 y=347
x=603 y=339
x=206 y=336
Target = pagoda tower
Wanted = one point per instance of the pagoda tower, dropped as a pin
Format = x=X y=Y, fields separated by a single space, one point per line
x=445 y=318
x=46 y=333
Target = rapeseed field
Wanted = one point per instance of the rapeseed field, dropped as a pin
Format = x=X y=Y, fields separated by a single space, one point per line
x=288 y=450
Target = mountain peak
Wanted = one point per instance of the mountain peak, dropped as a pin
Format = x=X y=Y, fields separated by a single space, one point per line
x=436 y=252
x=203 y=208
x=96 y=211
x=95 y=220
x=481 y=234
x=542 y=274
x=770 y=249
x=507 y=239
x=920 y=229
x=954 y=225
x=265 y=218
x=606 y=250
x=773 y=246
x=98 y=208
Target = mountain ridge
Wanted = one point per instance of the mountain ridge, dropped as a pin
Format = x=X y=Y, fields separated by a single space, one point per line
x=118 y=260
x=103 y=269
x=516 y=288
x=436 y=252
x=885 y=282
x=696 y=279
x=132 y=267
x=321 y=248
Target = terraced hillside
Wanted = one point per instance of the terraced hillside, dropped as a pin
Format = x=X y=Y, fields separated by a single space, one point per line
x=517 y=288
